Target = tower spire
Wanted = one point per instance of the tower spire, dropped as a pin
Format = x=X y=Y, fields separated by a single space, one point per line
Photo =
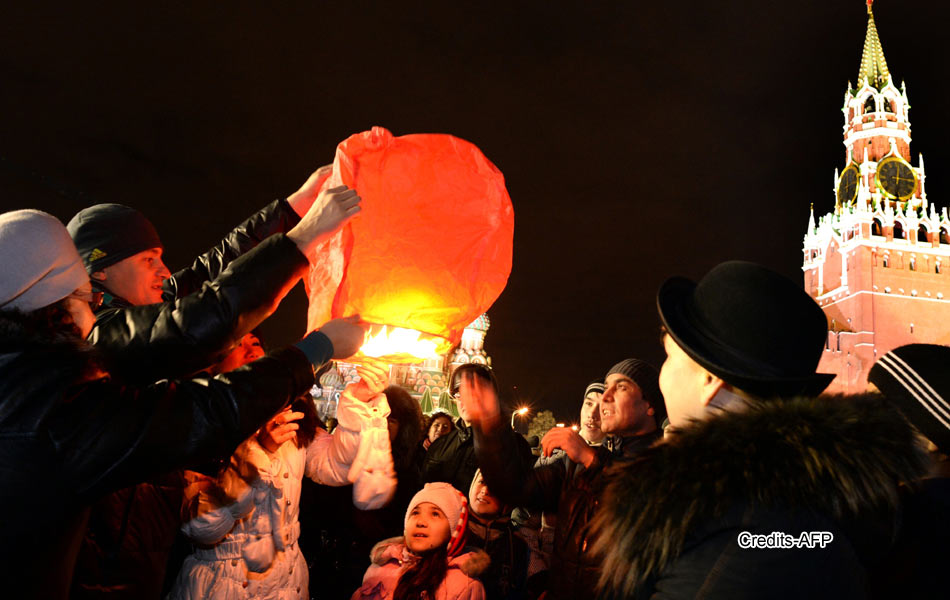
x=873 y=66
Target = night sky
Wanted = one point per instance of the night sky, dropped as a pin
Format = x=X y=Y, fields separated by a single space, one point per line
x=638 y=139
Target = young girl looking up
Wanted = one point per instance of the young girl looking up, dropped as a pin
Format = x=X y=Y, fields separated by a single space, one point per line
x=428 y=562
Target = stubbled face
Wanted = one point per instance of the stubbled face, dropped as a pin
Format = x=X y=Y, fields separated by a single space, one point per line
x=481 y=501
x=77 y=304
x=590 y=418
x=623 y=411
x=248 y=350
x=427 y=528
x=681 y=381
x=439 y=427
x=138 y=278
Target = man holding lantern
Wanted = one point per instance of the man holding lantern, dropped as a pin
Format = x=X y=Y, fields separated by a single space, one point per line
x=155 y=326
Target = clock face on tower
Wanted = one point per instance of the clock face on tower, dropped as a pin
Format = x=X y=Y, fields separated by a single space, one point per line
x=848 y=185
x=896 y=178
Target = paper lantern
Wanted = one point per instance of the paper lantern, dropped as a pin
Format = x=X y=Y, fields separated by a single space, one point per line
x=430 y=251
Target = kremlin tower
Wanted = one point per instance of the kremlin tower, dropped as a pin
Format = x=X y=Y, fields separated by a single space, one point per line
x=879 y=264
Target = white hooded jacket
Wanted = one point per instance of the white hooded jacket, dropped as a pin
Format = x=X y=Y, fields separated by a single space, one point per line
x=245 y=522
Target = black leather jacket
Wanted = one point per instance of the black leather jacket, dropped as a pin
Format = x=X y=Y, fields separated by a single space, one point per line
x=69 y=435
x=208 y=306
x=564 y=488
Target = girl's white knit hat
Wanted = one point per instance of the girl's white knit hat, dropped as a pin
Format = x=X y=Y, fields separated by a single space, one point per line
x=451 y=502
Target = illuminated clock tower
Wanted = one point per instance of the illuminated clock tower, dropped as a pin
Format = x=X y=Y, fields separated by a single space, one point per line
x=879 y=264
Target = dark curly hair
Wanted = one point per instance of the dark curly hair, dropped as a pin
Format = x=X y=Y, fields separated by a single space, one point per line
x=406 y=411
x=430 y=419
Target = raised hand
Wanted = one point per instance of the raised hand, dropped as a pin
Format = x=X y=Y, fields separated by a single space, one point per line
x=570 y=442
x=346 y=335
x=302 y=199
x=278 y=430
x=374 y=377
x=480 y=401
x=332 y=208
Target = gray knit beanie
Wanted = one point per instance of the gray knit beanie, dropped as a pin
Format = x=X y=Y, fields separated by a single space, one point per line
x=40 y=262
x=648 y=379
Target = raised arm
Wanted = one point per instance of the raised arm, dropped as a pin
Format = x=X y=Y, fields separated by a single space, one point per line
x=358 y=451
x=280 y=216
x=501 y=454
x=176 y=339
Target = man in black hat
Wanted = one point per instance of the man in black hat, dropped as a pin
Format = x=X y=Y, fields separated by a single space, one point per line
x=761 y=488
x=631 y=412
x=916 y=380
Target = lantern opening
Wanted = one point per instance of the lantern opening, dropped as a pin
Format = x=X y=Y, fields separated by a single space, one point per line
x=398 y=345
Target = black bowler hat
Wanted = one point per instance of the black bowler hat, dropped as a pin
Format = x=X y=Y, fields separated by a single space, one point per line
x=750 y=326
x=916 y=379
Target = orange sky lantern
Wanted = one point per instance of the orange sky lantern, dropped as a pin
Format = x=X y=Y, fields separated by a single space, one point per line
x=430 y=251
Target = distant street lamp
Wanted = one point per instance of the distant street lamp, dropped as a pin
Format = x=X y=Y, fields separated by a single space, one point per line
x=560 y=425
x=521 y=411
x=574 y=427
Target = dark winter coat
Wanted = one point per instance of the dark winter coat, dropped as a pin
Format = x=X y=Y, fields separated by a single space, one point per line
x=564 y=488
x=670 y=522
x=132 y=532
x=508 y=571
x=917 y=564
x=68 y=435
x=199 y=322
x=451 y=458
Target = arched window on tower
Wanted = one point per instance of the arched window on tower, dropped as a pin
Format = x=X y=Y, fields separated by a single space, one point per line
x=886 y=260
x=922 y=234
x=876 y=228
x=869 y=106
x=912 y=264
x=944 y=236
x=899 y=231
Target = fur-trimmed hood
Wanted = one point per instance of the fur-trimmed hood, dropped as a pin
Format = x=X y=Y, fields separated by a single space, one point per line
x=838 y=456
x=473 y=562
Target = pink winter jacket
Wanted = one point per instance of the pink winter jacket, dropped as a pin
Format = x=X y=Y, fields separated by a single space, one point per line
x=391 y=558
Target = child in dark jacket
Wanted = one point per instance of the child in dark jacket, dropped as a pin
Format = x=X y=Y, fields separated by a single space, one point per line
x=490 y=528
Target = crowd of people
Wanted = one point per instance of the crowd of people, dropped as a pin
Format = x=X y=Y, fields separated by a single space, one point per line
x=151 y=448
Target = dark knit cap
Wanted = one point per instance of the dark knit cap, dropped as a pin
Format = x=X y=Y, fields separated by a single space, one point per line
x=648 y=379
x=915 y=378
x=105 y=234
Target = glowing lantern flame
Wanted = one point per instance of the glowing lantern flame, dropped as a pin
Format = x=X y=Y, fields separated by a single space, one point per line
x=398 y=345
